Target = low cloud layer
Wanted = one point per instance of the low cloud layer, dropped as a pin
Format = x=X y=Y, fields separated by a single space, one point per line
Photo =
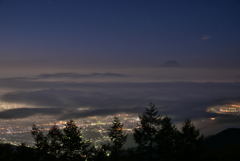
x=63 y=100
x=181 y=100
x=78 y=75
x=26 y=112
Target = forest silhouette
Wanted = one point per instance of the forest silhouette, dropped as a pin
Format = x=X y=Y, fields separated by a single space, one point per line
x=157 y=139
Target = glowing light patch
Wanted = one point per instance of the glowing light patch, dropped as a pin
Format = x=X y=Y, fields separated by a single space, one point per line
x=84 y=108
x=232 y=109
x=212 y=118
x=8 y=106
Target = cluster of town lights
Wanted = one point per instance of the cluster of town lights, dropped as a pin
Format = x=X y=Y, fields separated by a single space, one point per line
x=225 y=109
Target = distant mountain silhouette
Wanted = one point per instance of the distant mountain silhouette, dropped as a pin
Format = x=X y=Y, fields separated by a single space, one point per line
x=7 y=147
x=171 y=63
x=223 y=146
x=226 y=138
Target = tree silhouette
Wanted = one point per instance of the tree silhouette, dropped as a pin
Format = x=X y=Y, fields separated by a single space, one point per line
x=117 y=137
x=157 y=139
x=40 y=139
x=63 y=144
x=54 y=140
x=167 y=139
x=145 y=133
x=101 y=153
x=74 y=146
x=191 y=141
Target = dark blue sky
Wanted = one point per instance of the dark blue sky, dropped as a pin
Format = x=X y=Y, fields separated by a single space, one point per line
x=123 y=32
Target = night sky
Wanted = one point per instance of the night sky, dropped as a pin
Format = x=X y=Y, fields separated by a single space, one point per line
x=74 y=59
x=125 y=33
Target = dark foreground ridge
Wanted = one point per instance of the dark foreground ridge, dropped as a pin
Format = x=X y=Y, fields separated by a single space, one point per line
x=156 y=138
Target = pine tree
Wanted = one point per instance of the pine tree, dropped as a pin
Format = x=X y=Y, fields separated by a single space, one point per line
x=191 y=141
x=64 y=144
x=167 y=139
x=40 y=139
x=54 y=139
x=190 y=134
x=117 y=137
x=74 y=146
x=146 y=132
